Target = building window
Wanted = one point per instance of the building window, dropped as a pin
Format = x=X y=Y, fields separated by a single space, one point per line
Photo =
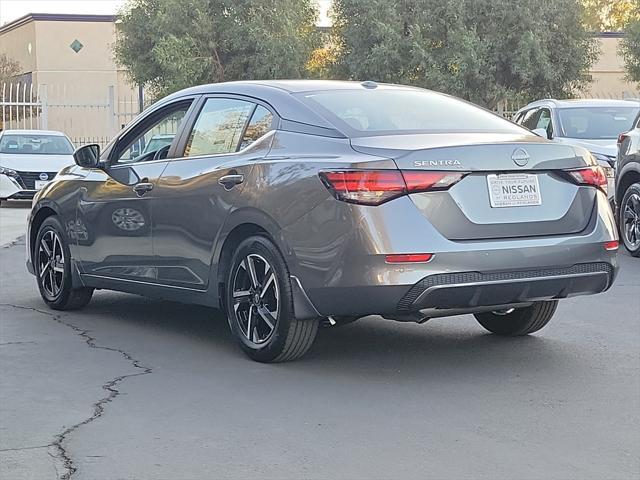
x=76 y=46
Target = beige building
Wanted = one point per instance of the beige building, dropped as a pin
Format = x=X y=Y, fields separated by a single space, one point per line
x=68 y=60
x=608 y=72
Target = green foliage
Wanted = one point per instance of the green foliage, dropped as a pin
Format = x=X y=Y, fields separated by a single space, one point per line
x=167 y=45
x=630 y=47
x=9 y=68
x=607 y=15
x=481 y=50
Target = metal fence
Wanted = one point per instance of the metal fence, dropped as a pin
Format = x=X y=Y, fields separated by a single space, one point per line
x=83 y=117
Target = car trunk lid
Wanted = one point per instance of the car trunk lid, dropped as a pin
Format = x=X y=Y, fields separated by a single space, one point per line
x=502 y=170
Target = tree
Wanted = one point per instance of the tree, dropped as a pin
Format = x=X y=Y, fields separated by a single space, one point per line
x=167 y=45
x=9 y=68
x=607 y=15
x=630 y=47
x=481 y=50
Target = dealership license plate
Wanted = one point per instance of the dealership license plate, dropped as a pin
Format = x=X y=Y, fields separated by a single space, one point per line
x=514 y=190
x=41 y=183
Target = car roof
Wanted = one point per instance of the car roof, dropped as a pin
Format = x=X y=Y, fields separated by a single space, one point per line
x=53 y=133
x=281 y=95
x=583 y=103
x=289 y=86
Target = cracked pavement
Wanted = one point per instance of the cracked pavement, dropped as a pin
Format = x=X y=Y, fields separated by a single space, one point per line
x=132 y=388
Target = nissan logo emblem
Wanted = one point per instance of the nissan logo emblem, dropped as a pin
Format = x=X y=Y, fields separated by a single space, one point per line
x=520 y=157
x=44 y=176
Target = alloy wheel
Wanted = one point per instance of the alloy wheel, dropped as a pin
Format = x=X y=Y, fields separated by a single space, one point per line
x=256 y=298
x=631 y=221
x=51 y=264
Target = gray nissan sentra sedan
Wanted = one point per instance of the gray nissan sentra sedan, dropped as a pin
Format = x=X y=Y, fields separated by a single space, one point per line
x=293 y=204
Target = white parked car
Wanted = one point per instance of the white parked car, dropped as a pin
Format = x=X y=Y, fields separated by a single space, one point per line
x=591 y=124
x=29 y=159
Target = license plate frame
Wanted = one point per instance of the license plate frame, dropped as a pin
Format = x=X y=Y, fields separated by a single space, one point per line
x=40 y=184
x=509 y=190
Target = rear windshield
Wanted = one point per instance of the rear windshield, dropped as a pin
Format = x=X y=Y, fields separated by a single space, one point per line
x=35 y=144
x=596 y=122
x=392 y=111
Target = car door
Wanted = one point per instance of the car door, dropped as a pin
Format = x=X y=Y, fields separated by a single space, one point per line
x=197 y=191
x=114 y=216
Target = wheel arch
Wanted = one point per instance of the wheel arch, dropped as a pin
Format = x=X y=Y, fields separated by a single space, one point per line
x=38 y=217
x=255 y=222
x=628 y=178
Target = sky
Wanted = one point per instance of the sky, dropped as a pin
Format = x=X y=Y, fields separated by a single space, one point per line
x=12 y=9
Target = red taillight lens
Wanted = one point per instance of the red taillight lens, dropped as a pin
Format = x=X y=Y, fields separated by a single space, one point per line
x=611 y=246
x=621 y=138
x=409 y=258
x=591 y=176
x=367 y=187
x=374 y=187
x=424 y=181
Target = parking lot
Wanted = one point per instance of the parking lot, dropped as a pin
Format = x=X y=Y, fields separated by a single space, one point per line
x=137 y=388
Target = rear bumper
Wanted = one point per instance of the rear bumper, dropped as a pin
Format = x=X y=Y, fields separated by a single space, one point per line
x=469 y=290
x=348 y=275
x=448 y=294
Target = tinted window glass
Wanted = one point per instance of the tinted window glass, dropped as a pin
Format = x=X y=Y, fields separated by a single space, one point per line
x=35 y=144
x=531 y=118
x=259 y=125
x=218 y=127
x=596 y=122
x=158 y=134
x=380 y=111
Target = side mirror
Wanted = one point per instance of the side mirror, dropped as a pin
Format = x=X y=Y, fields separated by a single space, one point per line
x=541 y=132
x=87 y=156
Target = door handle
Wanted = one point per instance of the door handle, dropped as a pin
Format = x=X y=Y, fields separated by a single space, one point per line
x=142 y=188
x=230 y=181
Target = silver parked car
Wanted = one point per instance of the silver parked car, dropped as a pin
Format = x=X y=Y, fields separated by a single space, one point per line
x=294 y=203
x=628 y=188
x=592 y=124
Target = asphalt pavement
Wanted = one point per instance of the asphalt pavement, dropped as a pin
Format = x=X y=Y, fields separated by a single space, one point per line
x=131 y=388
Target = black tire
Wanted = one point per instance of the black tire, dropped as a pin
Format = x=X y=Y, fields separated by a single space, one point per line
x=629 y=220
x=267 y=337
x=65 y=297
x=521 y=321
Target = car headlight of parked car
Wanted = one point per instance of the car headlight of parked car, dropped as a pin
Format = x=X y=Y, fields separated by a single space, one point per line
x=8 y=172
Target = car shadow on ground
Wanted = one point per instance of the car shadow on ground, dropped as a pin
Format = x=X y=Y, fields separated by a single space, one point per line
x=371 y=347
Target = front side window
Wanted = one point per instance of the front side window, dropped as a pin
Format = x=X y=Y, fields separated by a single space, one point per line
x=34 y=144
x=596 y=122
x=153 y=140
x=530 y=118
x=544 y=121
x=219 y=127
x=381 y=111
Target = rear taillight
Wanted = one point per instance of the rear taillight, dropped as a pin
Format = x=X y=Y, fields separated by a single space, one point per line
x=621 y=138
x=590 y=176
x=374 y=187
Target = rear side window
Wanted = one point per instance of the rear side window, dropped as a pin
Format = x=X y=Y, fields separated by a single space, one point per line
x=259 y=125
x=219 y=127
x=363 y=112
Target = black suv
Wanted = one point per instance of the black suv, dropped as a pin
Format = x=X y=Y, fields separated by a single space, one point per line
x=628 y=188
